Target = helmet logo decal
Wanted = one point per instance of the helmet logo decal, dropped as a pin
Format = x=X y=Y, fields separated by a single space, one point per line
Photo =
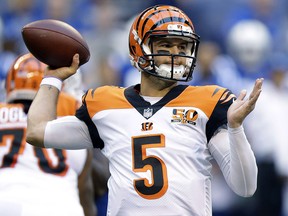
x=167 y=20
x=179 y=27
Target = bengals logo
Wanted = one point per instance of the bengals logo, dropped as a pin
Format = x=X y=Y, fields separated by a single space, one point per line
x=146 y=126
x=184 y=116
x=180 y=27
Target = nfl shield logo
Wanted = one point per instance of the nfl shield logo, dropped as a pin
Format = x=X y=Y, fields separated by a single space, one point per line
x=148 y=113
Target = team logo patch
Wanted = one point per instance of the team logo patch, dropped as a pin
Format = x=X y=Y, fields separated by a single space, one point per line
x=146 y=126
x=148 y=112
x=184 y=116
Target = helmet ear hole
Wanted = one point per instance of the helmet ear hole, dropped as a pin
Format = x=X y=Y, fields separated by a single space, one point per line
x=142 y=61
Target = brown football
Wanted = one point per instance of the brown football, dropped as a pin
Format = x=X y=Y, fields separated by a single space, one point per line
x=54 y=42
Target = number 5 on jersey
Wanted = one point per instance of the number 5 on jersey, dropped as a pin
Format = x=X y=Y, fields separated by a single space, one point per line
x=142 y=163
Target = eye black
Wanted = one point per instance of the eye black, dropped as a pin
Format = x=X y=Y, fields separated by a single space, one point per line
x=163 y=52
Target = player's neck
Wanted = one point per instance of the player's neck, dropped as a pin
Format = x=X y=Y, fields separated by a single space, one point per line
x=151 y=100
x=154 y=87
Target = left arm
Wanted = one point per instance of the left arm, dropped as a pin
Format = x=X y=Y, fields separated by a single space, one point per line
x=231 y=148
x=234 y=155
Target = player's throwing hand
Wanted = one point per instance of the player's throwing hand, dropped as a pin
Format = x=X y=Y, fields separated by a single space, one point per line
x=64 y=72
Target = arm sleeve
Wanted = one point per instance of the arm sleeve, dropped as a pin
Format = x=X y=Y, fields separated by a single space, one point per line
x=67 y=133
x=232 y=151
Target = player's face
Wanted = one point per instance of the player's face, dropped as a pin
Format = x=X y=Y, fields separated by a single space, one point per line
x=168 y=46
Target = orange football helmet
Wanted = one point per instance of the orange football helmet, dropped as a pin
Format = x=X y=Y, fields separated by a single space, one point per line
x=24 y=78
x=158 y=22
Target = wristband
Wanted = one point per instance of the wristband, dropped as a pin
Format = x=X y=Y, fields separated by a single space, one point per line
x=53 y=81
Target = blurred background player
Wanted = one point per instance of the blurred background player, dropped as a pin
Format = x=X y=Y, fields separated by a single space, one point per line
x=68 y=188
x=100 y=176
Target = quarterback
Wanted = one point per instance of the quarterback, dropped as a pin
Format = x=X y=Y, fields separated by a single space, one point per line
x=159 y=136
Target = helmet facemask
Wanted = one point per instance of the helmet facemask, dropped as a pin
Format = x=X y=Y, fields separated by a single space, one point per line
x=172 y=70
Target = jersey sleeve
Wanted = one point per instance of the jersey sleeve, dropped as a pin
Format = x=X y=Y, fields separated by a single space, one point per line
x=67 y=133
x=219 y=115
x=83 y=114
x=232 y=151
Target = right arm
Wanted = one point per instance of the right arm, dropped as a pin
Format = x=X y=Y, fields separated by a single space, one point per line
x=44 y=105
x=42 y=110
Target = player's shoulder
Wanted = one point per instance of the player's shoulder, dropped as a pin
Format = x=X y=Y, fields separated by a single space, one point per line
x=109 y=89
x=11 y=105
x=104 y=92
x=207 y=91
x=206 y=88
x=105 y=98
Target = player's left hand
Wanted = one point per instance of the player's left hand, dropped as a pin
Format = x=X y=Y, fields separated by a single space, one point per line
x=241 y=107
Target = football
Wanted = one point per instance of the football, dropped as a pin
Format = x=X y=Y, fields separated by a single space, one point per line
x=55 y=42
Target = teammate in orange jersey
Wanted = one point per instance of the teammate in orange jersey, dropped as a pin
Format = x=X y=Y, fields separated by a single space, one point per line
x=66 y=174
x=159 y=135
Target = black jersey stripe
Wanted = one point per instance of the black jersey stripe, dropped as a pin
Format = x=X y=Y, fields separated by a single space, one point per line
x=83 y=115
x=226 y=95
x=218 y=117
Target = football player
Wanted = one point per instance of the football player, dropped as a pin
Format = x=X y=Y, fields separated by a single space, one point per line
x=160 y=135
x=38 y=181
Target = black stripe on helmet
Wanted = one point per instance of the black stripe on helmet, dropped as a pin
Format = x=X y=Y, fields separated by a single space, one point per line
x=140 y=16
x=152 y=14
x=146 y=20
x=168 y=19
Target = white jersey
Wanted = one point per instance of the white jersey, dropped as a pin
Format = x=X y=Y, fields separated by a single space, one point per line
x=159 y=156
x=35 y=181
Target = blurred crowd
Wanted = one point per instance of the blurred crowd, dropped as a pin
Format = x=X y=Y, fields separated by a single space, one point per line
x=240 y=40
